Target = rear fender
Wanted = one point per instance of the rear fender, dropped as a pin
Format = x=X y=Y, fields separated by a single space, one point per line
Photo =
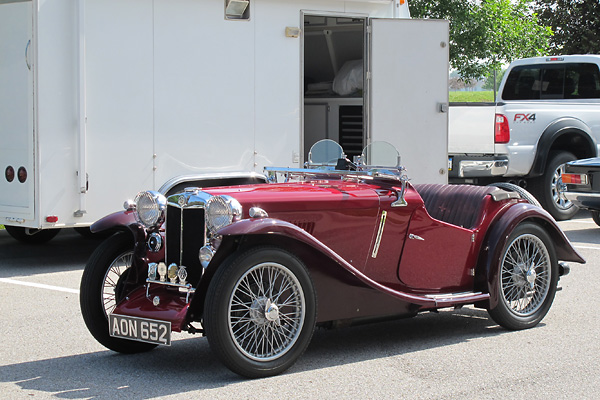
x=497 y=238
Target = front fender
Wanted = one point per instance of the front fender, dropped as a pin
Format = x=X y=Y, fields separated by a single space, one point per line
x=497 y=238
x=271 y=226
x=114 y=220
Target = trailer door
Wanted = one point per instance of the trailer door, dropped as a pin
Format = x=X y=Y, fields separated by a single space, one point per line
x=16 y=111
x=408 y=93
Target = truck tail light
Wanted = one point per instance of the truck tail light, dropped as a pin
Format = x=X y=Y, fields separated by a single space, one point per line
x=501 y=129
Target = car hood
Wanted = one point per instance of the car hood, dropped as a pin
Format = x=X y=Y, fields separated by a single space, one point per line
x=303 y=196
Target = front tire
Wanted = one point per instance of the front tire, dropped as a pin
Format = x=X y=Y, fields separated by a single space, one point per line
x=549 y=189
x=260 y=312
x=527 y=278
x=102 y=289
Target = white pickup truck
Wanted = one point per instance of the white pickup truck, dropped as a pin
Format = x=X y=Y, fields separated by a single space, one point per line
x=547 y=113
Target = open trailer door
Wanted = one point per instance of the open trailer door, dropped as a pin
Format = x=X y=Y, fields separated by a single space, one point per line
x=408 y=93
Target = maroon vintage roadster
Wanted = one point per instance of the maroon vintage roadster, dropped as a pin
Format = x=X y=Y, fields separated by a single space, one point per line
x=256 y=267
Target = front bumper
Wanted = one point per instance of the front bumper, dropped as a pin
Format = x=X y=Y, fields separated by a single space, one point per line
x=465 y=166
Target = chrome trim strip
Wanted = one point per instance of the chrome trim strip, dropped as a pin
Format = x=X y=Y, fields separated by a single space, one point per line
x=379 y=234
x=168 y=185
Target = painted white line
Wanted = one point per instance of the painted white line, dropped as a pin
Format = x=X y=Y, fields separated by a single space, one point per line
x=39 y=285
x=587 y=247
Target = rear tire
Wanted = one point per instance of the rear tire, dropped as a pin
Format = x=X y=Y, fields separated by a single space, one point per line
x=101 y=290
x=527 y=278
x=19 y=233
x=549 y=189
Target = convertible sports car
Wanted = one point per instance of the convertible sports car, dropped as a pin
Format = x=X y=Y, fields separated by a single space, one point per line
x=256 y=267
x=581 y=185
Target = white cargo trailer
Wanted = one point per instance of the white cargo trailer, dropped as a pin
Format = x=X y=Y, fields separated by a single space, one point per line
x=102 y=98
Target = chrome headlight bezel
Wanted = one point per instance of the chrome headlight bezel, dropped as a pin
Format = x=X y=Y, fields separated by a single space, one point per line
x=221 y=211
x=150 y=208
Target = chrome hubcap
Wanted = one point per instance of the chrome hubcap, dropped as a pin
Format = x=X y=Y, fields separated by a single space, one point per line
x=266 y=312
x=558 y=190
x=111 y=279
x=525 y=275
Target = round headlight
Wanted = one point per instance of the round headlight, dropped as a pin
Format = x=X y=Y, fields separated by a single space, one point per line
x=221 y=211
x=150 y=207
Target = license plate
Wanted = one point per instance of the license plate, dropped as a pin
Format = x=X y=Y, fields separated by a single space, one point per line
x=140 y=329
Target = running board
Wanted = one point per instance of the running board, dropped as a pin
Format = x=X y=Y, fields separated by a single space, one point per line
x=452 y=299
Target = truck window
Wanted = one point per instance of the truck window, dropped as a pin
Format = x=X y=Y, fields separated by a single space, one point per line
x=562 y=81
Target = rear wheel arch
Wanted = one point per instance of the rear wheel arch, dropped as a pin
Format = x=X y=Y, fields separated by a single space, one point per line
x=566 y=134
x=496 y=239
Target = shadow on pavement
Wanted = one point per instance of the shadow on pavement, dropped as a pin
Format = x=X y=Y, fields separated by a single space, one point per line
x=189 y=365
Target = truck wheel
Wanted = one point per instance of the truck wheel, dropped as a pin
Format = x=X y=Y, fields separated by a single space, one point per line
x=527 y=278
x=260 y=312
x=39 y=237
x=596 y=217
x=511 y=187
x=102 y=289
x=549 y=188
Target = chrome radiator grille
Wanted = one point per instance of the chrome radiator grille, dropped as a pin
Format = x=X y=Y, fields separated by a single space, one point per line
x=185 y=235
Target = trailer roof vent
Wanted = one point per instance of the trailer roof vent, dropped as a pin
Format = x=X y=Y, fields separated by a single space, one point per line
x=237 y=9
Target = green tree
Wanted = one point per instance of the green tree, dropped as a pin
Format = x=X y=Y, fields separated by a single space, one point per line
x=489 y=80
x=576 y=25
x=486 y=34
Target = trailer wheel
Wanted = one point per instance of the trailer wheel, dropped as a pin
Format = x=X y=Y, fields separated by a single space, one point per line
x=549 y=189
x=42 y=236
x=102 y=288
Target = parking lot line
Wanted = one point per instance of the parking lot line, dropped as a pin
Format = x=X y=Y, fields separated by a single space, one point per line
x=39 y=285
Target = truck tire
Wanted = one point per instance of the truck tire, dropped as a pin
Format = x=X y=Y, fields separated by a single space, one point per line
x=549 y=190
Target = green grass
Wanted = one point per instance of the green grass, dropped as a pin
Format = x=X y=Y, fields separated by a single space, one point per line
x=471 y=97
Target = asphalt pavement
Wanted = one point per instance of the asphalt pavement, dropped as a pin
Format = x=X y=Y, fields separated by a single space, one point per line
x=46 y=351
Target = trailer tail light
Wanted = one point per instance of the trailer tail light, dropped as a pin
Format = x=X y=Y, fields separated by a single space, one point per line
x=575 y=179
x=22 y=174
x=501 y=129
x=52 y=219
x=9 y=174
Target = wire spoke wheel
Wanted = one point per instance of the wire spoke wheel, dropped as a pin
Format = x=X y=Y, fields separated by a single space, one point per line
x=103 y=287
x=260 y=311
x=112 y=279
x=266 y=311
x=526 y=279
x=525 y=275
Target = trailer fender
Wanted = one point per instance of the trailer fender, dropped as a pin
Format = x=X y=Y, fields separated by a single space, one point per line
x=497 y=238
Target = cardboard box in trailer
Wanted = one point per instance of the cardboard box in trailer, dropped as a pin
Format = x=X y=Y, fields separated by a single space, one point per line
x=102 y=98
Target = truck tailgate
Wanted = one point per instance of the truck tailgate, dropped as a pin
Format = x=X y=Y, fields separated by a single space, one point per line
x=471 y=128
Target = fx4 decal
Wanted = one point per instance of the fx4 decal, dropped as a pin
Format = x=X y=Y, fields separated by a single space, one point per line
x=524 y=118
